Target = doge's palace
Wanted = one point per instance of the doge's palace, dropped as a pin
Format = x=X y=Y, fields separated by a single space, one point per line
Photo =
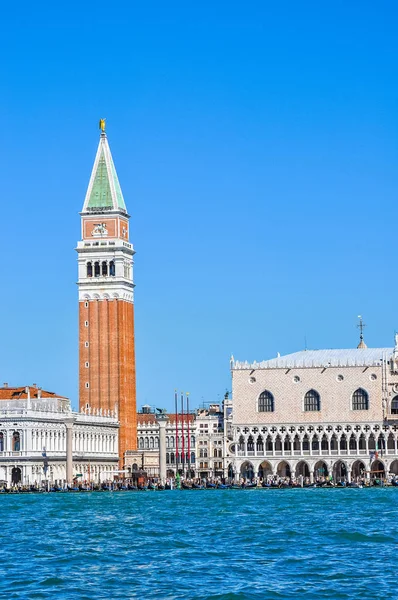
x=317 y=413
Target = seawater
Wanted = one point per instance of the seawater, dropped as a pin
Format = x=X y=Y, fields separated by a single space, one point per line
x=213 y=544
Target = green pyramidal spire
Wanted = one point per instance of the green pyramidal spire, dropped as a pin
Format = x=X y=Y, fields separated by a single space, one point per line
x=104 y=191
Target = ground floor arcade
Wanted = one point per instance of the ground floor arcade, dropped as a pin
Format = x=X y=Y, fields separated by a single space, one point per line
x=338 y=469
x=23 y=472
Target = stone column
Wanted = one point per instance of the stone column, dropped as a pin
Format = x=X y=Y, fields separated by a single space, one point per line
x=69 y=449
x=162 y=420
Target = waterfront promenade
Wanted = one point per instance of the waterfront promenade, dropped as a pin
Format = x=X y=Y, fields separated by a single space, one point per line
x=249 y=544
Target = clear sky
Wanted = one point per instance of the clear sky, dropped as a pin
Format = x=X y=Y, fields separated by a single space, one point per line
x=256 y=146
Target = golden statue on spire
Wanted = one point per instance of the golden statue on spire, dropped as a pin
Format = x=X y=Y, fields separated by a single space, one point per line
x=102 y=125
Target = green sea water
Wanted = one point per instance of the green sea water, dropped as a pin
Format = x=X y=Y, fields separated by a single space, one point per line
x=213 y=544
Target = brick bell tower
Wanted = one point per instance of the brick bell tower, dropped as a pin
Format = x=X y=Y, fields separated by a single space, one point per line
x=107 y=379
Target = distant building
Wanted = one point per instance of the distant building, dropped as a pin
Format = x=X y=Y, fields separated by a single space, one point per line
x=209 y=424
x=33 y=439
x=146 y=457
x=317 y=413
x=208 y=443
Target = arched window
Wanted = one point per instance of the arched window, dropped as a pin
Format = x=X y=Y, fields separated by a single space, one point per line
x=215 y=453
x=89 y=269
x=360 y=400
x=96 y=269
x=266 y=402
x=146 y=443
x=151 y=442
x=167 y=458
x=315 y=443
x=193 y=438
x=104 y=268
x=141 y=443
x=135 y=467
x=353 y=442
x=394 y=406
x=172 y=458
x=312 y=401
x=1 y=442
x=156 y=442
x=16 y=442
x=260 y=444
x=250 y=444
x=192 y=457
x=112 y=268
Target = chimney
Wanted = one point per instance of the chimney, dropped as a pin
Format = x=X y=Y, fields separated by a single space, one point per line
x=27 y=390
x=34 y=385
x=39 y=393
x=5 y=385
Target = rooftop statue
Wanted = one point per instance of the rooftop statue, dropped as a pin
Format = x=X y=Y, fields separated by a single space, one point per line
x=162 y=411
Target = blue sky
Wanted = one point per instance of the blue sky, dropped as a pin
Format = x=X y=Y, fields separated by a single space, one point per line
x=256 y=146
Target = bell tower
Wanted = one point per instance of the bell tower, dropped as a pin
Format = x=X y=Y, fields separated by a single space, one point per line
x=107 y=379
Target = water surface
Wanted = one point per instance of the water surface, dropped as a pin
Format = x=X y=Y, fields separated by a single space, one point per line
x=213 y=544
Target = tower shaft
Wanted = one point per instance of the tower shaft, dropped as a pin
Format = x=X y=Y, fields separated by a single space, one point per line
x=107 y=377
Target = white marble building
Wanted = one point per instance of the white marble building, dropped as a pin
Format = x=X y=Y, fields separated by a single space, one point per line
x=33 y=423
x=317 y=413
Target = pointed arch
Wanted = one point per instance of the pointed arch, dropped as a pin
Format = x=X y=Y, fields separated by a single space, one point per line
x=266 y=402
x=312 y=401
x=283 y=469
x=264 y=470
x=303 y=469
x=260 y=444
x=360 y=399
x=353 y=442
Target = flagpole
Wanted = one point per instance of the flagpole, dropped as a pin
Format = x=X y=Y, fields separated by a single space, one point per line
x=189 y=439
x=176 y=407
x=182 y=434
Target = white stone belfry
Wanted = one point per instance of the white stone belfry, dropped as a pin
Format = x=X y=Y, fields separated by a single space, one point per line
x=105 y=255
